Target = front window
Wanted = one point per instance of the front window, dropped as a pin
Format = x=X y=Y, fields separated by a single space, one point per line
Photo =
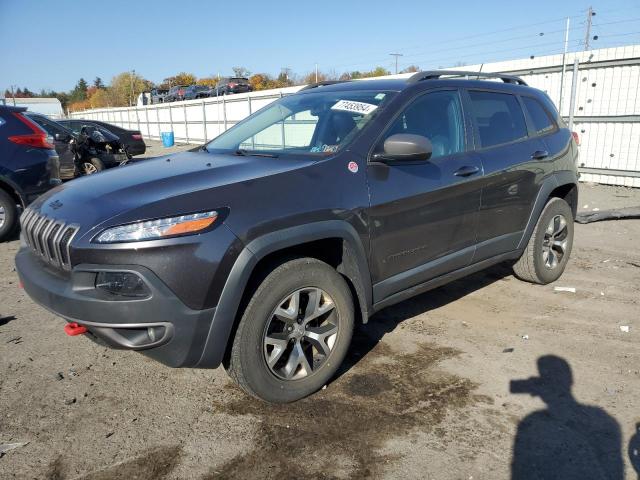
x=310 y=123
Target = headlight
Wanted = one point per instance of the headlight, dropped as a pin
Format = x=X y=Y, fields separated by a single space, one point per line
x=160 y=228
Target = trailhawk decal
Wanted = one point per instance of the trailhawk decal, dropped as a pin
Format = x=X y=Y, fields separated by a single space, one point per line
x=354 y=107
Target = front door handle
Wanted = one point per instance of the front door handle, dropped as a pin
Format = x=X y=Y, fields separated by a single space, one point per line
x=539 y=155
x=466 y=171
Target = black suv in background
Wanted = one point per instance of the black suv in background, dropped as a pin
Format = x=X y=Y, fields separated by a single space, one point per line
x=175 y=94
x=195 y=91
x=227 y=86
x=262 y=250
x=29 y=165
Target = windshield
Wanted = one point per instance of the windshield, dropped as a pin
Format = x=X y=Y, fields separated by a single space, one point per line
x=310 y=123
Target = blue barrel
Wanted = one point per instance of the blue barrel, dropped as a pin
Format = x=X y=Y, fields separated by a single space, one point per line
x=167 y=139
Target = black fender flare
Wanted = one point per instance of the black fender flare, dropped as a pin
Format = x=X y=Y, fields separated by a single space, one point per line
x=549 y=184
x=238 y=278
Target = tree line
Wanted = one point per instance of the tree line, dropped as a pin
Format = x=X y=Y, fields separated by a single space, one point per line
x=125 y=87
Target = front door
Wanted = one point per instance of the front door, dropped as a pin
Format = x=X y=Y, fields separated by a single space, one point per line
x=423 y=216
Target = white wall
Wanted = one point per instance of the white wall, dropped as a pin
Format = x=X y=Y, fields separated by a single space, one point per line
x=607 y=109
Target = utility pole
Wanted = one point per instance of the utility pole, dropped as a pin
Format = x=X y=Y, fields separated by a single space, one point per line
x=13 y=95
x=396 y=55
x=590 y=14
x=564 y=64
x=131 y=75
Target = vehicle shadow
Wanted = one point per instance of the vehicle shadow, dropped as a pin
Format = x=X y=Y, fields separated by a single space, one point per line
x=567 y=440
x=366 y=337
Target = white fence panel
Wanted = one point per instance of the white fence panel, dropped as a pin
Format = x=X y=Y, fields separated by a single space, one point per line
x=607 y=110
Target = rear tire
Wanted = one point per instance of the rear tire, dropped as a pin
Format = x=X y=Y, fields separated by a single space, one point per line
x=94 y=165
x=549 y=247
x=8 y=215
x=294 y=332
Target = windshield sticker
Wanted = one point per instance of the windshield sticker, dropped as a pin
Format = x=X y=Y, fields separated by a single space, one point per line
x=355 y=107
x=380 y=96
x=325 y=149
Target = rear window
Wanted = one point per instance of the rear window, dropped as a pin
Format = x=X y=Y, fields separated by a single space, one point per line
x=499 y=118
x=238 y=80
x=541 y=120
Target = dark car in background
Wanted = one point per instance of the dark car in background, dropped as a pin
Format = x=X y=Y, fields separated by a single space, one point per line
x=61 y=138
x=195 y=91
x=89 y=150
x=175 y=94
x=131 y=138
x=29 y=165
x=232 y=85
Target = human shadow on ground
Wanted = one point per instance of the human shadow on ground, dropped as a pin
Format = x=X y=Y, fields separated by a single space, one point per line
x=567 y=440
x=634 y=450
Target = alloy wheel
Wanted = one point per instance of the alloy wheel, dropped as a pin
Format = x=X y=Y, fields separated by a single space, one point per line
x=300 y=334
x=554 y=244
x=3 y=216
x=89 y=168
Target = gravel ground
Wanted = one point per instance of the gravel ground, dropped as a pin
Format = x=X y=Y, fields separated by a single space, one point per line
x=425 y=393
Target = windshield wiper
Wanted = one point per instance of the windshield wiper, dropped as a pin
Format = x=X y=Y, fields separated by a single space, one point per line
x=254 y=153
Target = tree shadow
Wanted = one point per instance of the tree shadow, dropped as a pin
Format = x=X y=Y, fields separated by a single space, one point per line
x=366 y=337
x=567 y=440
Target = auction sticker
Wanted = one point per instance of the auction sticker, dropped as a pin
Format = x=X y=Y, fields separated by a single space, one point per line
x=353 y=167
x=354 y=107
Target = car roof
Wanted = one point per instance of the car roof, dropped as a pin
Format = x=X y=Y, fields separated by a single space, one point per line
x=11 y=108
x=493 y=81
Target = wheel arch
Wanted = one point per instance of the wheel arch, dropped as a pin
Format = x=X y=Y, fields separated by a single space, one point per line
x=12 y=190
x=335 y=242
x=562 y=184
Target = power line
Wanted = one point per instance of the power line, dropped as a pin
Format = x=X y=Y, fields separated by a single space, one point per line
x=458 y=39
x=419 y=57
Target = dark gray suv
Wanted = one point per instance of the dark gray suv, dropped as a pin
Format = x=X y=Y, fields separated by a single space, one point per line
x=261 y=251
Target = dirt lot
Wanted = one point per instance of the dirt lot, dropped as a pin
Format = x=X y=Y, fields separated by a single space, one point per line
x=425 y=392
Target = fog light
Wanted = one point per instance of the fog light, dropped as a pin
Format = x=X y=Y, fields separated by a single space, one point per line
x=125 y=284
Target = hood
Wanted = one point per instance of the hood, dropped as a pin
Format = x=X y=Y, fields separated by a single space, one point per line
x=170 y=183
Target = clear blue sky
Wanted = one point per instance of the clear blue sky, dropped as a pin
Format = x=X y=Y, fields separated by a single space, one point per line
x=47 y=44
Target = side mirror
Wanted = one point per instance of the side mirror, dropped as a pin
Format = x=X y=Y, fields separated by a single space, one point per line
x=405 y=147
x=62 y=137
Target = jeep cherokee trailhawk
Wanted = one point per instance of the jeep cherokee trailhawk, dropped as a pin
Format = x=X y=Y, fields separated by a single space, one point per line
x=262 y=250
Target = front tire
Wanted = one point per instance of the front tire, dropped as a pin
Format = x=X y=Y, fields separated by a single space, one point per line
x=549 y=247
x=8 y=215
x=94 y=165
x=294 y=332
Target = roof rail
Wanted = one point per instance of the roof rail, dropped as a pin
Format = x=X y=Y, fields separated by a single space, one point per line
x=322 y=84
x=436 y=74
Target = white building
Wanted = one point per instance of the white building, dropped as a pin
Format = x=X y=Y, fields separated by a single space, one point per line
x=51 y=107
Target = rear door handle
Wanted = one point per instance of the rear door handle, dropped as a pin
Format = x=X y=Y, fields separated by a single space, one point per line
x=539 y=154
x=466 y=171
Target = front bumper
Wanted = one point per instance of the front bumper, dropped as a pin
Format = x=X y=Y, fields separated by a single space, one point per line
x=159 y=325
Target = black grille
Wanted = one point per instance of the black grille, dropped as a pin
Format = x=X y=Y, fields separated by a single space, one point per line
x=48 y=238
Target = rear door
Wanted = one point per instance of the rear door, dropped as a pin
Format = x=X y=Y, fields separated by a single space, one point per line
x=423 y=215
x=511 y=172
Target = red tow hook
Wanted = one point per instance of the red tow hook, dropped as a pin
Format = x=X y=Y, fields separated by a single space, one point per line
x=72 y=329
